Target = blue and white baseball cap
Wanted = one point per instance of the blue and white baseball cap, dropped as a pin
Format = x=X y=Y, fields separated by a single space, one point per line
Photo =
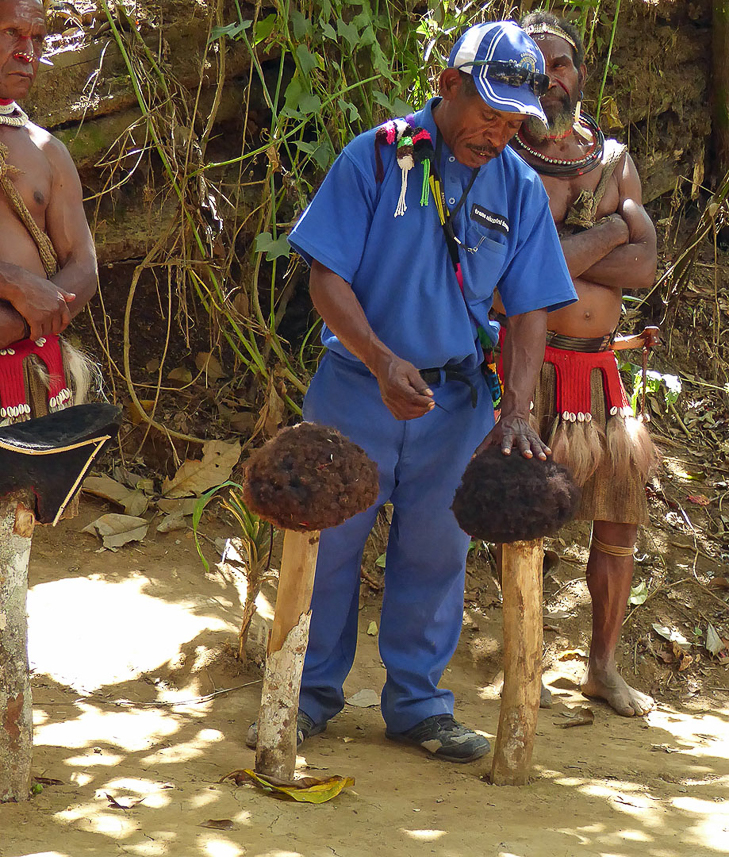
x=506 y=65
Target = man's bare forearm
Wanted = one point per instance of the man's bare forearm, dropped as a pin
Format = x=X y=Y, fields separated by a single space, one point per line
x=632 y=266
x=585 y=249
x=523 y=355
x=12 y=325
x=79 y=277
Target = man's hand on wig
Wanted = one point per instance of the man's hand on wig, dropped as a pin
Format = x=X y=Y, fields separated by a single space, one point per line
x=403 y=390
x=513 y=432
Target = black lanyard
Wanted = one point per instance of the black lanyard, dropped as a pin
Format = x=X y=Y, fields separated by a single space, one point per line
x=446 y=215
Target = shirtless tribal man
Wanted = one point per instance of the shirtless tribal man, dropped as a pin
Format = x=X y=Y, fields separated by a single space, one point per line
x=47 y=260
x=610 y=245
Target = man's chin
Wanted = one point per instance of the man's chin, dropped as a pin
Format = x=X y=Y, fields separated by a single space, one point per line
x=536 y=129
x=559 y=126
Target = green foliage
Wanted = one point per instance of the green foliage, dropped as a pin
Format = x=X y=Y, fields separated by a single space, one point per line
x=656 y=382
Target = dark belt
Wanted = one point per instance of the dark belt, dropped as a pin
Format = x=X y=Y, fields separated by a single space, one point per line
x=433 y=376
x=577 y=343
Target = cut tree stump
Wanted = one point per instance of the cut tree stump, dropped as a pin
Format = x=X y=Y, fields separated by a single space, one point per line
x=16 y=715
x=276 y=747
x=521 y=584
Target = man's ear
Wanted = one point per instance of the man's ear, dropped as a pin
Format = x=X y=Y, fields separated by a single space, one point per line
x=450 y=83
x=582 y=75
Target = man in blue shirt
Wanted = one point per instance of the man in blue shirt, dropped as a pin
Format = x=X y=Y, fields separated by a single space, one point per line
x=403 y=280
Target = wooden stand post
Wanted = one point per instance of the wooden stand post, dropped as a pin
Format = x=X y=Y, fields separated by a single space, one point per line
x=276 y=747
x=16 y=715
x=521 y=585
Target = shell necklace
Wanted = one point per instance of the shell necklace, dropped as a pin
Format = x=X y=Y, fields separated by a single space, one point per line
x=12 y=115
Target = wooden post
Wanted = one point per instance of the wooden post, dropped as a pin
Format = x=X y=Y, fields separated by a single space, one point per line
x=16 y=716
x=521 y=585
x=276 y=746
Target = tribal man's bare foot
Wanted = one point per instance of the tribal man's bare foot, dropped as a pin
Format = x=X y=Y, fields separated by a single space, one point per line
x=611 y=686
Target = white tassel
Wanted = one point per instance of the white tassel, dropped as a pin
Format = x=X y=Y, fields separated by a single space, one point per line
x=406 y=164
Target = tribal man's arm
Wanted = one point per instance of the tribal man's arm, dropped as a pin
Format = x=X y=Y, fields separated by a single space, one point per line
x=69 y=231
x=633 y=264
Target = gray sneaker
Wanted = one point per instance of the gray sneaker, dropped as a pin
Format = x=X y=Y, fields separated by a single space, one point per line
x=444 y=737
x=305 y=728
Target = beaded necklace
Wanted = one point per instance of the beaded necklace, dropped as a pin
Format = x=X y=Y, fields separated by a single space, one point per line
x=12 y=115
x=568 y=167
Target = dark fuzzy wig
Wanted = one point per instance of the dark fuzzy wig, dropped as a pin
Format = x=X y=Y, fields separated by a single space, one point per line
x=309 y=477
x=509 y=498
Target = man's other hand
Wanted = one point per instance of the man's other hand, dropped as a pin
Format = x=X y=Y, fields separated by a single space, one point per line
x=403 y=390
x=43 y=304
x=516 y=432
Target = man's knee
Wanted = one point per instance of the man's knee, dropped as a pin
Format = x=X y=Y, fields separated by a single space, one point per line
x=613 y=533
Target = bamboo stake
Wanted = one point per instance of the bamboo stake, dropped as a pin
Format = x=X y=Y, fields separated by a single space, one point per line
x=276 y=746
x=521 y=584
x=16 y=715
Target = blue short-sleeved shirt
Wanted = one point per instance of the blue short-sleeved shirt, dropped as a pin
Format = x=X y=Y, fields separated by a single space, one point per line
x=399 y=267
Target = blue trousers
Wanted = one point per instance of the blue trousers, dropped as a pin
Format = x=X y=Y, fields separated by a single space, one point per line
x=420 y=465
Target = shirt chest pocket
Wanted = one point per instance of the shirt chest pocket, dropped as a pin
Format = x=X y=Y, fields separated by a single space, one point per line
x=484 y=260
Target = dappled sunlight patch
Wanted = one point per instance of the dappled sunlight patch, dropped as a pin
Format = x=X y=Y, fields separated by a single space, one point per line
x=161 y=843
x=87 y=817
x=276 y=853
x=492 y=691
x=712 y=825
x=215 y=846
x=704 y=734
x=579 y=833
x=46 y=854
x=203 y=799
x=94 y=759
x=87 y=632
x=154 y=795
x=424 y=835
x=185 y=751
x=80 y=778
x=264 y=607
x=129 y=730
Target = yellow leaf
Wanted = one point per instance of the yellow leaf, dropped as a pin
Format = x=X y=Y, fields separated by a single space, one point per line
x=311 y=792
x=209 y=363
x=181 y=375
x=195 y=477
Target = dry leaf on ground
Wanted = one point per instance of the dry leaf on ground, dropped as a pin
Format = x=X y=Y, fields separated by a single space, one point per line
x=106 y=488
x=196 y=477
x=123 y=802
x=134 y=503
x=183 y=506
x=116 y=530
x=573 y=655
x=181 y=374
x=714 y=643
x=217 y=824
x=683 y=658
x=365 y=698
x=672 y=635
x=305 y=790
x=210 y=365
x=171 y=523
x=582 y=716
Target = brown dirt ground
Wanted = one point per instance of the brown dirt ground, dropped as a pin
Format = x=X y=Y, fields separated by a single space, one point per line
x=123 y=644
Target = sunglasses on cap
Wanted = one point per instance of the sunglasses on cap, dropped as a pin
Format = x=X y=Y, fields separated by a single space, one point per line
x=507 y=71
